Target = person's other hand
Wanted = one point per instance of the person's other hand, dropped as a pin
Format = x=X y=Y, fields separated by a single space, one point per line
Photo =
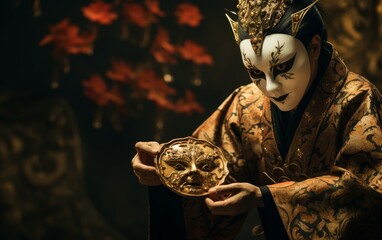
x=143 y=163
x=233 y=199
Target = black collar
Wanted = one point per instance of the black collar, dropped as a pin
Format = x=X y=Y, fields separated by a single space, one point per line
x=285 y=123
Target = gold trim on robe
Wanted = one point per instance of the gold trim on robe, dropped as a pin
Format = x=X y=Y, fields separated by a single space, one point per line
x=330 y=184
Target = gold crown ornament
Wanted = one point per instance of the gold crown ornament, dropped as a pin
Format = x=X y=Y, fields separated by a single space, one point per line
x=256 y=17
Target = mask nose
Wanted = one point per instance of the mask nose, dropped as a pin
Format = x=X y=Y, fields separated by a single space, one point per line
x=271 y=84
x=193 y=167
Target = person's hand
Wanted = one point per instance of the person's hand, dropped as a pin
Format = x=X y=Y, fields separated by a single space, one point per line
x=143 y=163
x=233 y=199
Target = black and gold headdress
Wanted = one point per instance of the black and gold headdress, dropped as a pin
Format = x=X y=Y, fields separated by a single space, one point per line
x=258 y=16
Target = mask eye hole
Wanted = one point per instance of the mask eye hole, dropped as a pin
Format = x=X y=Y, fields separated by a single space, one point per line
x=206 y=166
x=178 y=165
x=255 y=73
x=281 y=67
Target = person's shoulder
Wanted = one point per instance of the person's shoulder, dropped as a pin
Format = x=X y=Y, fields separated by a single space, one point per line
x=357 y=85
x=359 y=82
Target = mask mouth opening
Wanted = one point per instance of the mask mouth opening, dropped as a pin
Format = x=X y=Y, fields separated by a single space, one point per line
x=193 y=181
x=193 y=187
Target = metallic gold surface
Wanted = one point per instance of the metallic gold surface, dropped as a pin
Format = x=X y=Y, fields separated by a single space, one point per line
x=257 y=16
x=190 y=167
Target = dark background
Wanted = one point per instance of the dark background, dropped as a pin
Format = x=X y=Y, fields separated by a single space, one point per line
x=109 y=181
x=107 y=177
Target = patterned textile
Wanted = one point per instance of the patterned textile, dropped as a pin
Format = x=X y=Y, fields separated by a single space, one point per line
x=329 y=186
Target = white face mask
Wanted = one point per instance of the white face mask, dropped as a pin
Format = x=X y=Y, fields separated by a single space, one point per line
x=282 y=71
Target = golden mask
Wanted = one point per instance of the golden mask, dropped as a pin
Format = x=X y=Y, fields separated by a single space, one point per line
x=190 y=167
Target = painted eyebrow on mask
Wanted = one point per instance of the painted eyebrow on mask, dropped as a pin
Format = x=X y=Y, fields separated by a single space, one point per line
x=248 y=63
x=275 y=56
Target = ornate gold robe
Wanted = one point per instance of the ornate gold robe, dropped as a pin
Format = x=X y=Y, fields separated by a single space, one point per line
x=329 y=186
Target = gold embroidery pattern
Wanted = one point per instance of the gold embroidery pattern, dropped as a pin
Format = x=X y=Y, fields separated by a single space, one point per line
x=330 y=182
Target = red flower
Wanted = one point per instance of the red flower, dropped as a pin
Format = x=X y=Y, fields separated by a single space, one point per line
x=136 y=14
x=194 y=52
x=188 y=14
x=96 y=90
x=155 y=89
x=148 y=80
x=100 y=12
x=162 y=49
x=67 y=39
x=121 y=71
x=188 y=105
x=160 y=100
x=153 y=7
x=115 y=96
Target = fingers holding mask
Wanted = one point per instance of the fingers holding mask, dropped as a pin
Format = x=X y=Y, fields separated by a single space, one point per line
x=143 y=163
x=233 y=199
x=147 y=151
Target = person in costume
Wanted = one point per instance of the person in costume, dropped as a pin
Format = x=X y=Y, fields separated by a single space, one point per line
x=303 y=141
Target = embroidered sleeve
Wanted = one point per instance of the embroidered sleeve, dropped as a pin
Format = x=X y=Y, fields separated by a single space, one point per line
x=347 y=203
x=221 y=128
